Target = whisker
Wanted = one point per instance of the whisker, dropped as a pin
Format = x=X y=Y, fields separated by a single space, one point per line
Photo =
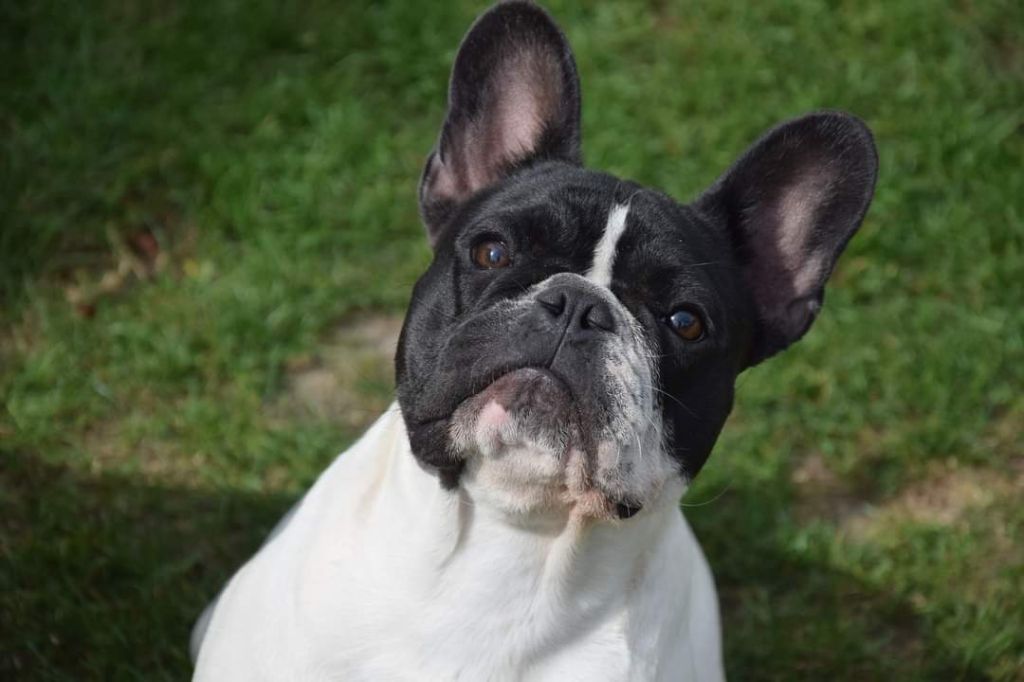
x=639 y=446
x=713 y=499
x=705 y=264
x=654 y=356
x=677 y=400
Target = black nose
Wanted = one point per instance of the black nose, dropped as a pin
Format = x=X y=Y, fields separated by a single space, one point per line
x=582 y=310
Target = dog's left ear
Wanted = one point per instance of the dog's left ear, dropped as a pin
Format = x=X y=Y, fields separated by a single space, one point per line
x=791 y=203
x=513 y=99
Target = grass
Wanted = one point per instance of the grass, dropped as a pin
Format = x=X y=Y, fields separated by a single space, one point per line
x=195 y=194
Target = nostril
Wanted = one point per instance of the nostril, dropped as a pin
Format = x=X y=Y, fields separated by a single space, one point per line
x=553 y=301
x=626 y=510
x=599 y=316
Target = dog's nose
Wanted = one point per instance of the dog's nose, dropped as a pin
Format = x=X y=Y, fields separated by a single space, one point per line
x=583 y=311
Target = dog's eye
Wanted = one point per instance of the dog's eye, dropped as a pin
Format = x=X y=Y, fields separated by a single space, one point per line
x=686 y=323
x=492 y=254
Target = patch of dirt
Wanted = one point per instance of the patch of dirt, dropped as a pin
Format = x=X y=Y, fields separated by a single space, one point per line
x=350 y=379
x=824 y=494
x=1005 y=433
x=942 y=498
x=110 y=445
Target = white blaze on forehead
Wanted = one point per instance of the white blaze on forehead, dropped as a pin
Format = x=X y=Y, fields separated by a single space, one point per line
x=604 y=255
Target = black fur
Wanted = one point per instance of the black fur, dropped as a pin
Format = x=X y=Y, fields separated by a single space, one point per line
x=735 y=256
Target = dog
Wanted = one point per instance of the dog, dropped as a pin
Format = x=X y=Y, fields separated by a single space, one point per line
x=565 y=367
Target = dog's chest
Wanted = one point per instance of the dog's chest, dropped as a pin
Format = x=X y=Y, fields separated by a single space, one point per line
x=472 y=638
x=381 y=575
x=502 y=605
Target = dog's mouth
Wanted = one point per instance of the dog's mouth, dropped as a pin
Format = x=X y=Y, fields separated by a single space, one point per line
x=523 y=435
x=526 y=404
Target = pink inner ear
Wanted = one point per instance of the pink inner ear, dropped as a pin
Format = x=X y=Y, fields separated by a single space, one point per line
x=521 y=97
x=796 y=216
x=798 y=210
x=789 y=267
x=528 y=99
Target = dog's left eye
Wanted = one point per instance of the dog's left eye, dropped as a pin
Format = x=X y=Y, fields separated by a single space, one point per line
x=686 y=323
x=492 y=254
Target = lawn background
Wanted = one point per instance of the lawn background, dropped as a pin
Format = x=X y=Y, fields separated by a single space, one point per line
x=206 y=205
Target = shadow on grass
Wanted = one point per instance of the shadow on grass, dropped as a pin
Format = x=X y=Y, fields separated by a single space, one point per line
x=787 y=617
x=104 y=576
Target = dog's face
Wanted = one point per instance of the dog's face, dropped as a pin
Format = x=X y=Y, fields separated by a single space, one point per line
x=575 y=342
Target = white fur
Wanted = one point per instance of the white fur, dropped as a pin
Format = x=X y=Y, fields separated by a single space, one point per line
x=382 y=575
x=600 y=272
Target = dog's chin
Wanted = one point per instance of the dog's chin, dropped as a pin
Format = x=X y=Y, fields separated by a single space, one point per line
x=524 y=448
x=528 y=406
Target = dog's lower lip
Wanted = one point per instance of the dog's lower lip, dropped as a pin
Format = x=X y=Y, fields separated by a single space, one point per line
x=546 y=371
x=540 y=369
x=423 y=421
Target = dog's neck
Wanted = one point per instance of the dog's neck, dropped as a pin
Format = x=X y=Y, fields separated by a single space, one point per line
x=453 y=549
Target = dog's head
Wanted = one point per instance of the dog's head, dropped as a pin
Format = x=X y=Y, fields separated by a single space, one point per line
x=576 y=340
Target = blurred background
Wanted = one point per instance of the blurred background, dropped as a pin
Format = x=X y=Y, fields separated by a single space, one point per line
x=208 y=234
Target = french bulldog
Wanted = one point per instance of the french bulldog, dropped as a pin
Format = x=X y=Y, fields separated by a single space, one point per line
x=566 y=365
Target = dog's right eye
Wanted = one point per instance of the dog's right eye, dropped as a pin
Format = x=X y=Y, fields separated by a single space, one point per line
x=687 y=324
x=492 y=254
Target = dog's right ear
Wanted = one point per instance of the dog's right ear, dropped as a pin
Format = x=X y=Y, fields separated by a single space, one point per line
x=513 y=99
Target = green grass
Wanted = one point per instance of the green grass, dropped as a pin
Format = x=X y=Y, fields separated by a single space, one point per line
x=862 y=510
